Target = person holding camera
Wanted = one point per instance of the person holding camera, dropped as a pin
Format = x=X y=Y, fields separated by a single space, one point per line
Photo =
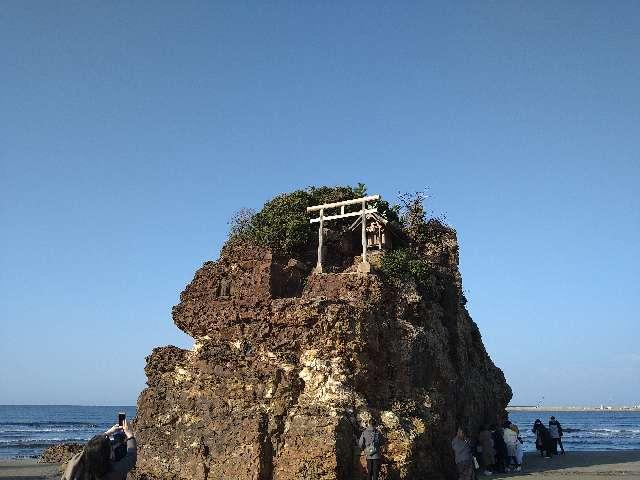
x=462 y=455
x=100 y=460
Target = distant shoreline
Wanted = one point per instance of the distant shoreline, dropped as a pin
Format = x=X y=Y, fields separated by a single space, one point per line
x=531 y=408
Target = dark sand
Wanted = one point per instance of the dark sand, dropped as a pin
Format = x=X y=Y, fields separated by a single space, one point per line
x=572 y=466
x=28 y=469
x=580 y=466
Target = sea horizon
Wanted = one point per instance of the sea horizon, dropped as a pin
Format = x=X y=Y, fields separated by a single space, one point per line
x=549 y=408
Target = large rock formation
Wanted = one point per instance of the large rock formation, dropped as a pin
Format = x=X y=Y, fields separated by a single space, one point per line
x=288 y=366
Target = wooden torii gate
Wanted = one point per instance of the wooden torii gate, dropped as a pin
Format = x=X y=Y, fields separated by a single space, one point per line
x=363 y=267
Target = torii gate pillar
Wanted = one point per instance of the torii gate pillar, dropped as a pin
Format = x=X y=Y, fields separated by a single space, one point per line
x=364 y=266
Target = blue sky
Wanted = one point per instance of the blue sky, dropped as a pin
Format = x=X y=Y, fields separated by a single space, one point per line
x=131 y=132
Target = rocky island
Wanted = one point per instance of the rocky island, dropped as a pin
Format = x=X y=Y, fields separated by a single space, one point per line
x=290 y=364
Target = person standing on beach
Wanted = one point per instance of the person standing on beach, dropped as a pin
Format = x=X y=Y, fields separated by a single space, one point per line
x=519 y=448
x=370 y=442
x=501 y=449
x=486 y=450
x=462 y=455
x=511 y=440
x=96 y=461
x=543 y=439
x=555 y=429
x=519 y=457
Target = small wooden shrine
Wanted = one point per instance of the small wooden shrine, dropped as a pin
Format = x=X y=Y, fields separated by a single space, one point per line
x=377 y=230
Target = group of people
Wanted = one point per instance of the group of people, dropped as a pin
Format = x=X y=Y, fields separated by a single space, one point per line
x=500 y=449
x=548 y=439
x=494 y=449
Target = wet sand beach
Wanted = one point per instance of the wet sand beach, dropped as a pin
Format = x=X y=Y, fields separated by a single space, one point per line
x=28 y=469
x=580 y=466
x=574 y=465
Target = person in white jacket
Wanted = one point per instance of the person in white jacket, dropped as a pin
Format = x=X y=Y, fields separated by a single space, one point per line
x=511 y=439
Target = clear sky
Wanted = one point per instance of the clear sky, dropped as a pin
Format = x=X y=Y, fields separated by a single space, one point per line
x=131 y=131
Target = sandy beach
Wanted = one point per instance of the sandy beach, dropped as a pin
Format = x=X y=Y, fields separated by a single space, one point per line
x=574 y=465
x=27 y=469
x=581 y=465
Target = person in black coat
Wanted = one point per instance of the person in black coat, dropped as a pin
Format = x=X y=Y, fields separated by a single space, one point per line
x=500 y=448
x=544 y=442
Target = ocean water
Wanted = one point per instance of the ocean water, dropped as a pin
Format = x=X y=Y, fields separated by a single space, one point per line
x=25 y=431
x=605 y=430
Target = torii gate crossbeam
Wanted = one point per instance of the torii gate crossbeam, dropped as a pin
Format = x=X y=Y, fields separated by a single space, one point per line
x=364 y=266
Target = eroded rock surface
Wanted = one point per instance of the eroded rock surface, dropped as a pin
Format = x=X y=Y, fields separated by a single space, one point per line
x=60 y=453
x=288 y=366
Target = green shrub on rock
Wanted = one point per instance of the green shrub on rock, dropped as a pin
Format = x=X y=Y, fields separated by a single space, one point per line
x=403 y=264
x=283 y=223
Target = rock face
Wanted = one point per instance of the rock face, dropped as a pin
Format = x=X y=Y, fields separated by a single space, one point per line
x=60 y=453
x=288 y=367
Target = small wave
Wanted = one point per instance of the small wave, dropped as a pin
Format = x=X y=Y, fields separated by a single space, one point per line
x=32 y=443
x=48 y=424
x=37 y=430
